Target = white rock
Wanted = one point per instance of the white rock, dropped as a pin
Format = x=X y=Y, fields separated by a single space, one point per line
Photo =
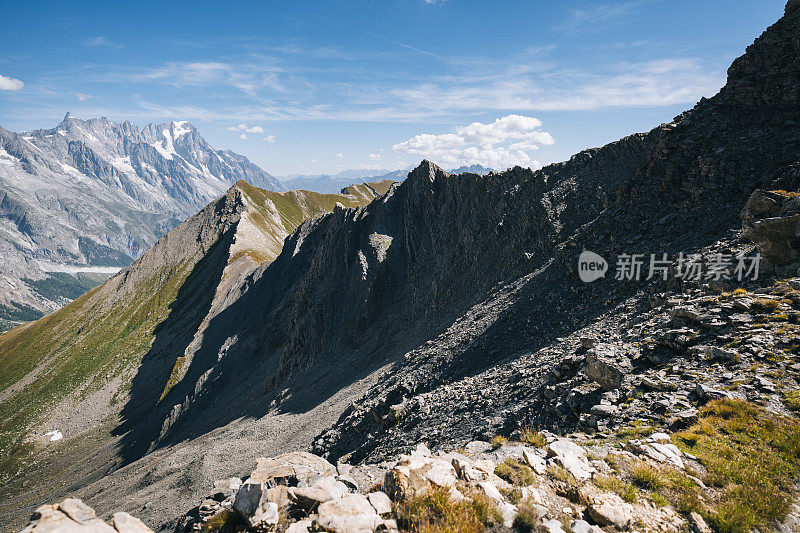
x=489 y=489
x=535 y=461
x=551 y=526
x=327 y=488
x=303 y=526
x=478 y=446
x=456 y=496
x=351 y=514
x=660 y=437
x=572 y=457
x=608 y=509
x=77 y=510
x=509 y=512
x=125 y=523
x=582 y=526
x=380 y=501
x=441 y=473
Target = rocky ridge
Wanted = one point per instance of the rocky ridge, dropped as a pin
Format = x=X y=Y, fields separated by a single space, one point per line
x=137 y=336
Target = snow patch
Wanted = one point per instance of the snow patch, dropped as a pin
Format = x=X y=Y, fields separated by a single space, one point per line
x=167 y=150
x=180 y=127
x=54 y=435
x=71 y=170
x=6 y=158
x=123 y=164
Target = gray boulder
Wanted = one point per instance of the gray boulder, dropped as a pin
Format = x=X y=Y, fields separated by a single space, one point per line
x=606 y=366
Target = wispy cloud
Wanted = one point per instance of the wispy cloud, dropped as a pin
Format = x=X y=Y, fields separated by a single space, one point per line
x=10 y=84
x=652 y=83
x=102 y=41
x=250 y=77
x=84 y=97
x=598 y=15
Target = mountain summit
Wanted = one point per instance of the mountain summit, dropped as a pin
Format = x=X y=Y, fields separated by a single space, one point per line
x=89 y=196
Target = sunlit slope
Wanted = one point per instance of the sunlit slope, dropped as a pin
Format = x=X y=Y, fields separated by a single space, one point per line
x=78 y=362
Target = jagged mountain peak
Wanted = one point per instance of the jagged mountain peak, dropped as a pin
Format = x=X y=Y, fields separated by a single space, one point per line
x=93 y=193
x=427 y=170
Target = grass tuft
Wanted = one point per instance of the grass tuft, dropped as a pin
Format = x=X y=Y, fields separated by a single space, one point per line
x=527 y=518
x=534 y=438
x=498 y=441
x=648 y=477
x=437 y=513
x=753 y=456
x=515 y=472
x=792 y=400
x=623 y=489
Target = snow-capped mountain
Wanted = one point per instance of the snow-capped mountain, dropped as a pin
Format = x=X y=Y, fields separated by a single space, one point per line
x=88 y=196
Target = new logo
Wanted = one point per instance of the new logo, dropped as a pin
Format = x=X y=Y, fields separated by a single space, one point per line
x=591 y=266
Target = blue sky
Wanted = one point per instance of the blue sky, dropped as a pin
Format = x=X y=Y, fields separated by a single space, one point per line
x=308 y=87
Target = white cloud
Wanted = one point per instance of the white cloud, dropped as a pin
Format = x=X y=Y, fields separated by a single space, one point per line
x=659 y=82
x=502 y=143
x=243 y=136
x=83 y=97
x=102 y=41
x=270 y=138
x=10 y=84
x=339 y=155
x=374 y=157
x=248 y=77
x=243 y=127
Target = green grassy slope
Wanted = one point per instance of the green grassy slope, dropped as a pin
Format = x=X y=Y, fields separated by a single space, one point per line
x=105 y=333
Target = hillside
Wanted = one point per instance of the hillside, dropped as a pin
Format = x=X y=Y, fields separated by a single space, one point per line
x=137 y=333
x=83 y=199
x=449 y=311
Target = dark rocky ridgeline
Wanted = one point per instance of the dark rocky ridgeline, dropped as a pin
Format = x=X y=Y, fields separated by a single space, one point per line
x=449 y=309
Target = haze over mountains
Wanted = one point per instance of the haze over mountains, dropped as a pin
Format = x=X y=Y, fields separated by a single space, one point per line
x=327 y=183
x=87 y=197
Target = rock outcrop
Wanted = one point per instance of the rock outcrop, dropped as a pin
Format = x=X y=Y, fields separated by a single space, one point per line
x=74 y=516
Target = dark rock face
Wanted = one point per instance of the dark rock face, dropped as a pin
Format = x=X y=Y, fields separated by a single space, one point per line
x=772 y=221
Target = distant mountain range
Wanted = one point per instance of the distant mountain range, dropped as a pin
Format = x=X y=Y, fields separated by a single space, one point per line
x=82 y=199
x=333 y=183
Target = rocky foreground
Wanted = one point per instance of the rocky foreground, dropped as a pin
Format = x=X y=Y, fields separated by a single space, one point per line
x=540 y=482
